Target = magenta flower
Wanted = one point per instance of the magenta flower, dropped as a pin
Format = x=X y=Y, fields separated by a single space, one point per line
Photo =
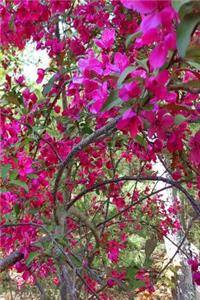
x=24 y=164
x=59 y=6
x=40 y=73
x=158 y=56
x=129 y=91
x=196 y=278
x=113 y=251
x=107 y=40
x=99 y=97
x=116 y=278
x=130 y=122
x=119 y=202
x=150 y=22
x=76 y=47
x=194 y=264
x=142 y=6
x=90 y=65
x=120 y=63
x=157 y=84
x=195 y=149
x=20 y=80
x=159 y=123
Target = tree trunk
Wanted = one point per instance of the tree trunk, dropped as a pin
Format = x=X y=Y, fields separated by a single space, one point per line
x=185 y=289
x=67 y=286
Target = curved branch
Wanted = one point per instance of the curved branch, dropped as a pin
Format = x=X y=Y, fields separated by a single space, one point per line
x=173 y=183
x=10 y=260
x=132 y=205
x=84 y=142
x=84 y=219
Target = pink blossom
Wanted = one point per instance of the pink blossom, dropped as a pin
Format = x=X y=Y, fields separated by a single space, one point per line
x=113 y=250
x=141 y=6
x=40 y=73
x=150 y=22
x=130 y=122
x=119 y=202
x=157 y=84
x=91 y=283
x=56 y=281
x=55 y=46
x=194 y=264
x=152 y=35
x=158 y=56
x=107 y=40
x=116 y=278
x=129 y=91
x=196 y=277
x=175 y=139
x=7 y=202
x=24 y=164
x=90 y=65
x=76 y=47
x=20 y=80
x=99 y=96
x=159 y=123
x=195 y=149
x=120 y=63
x=60 y=6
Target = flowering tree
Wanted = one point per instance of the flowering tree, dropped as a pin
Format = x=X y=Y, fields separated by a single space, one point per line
x=78 y=148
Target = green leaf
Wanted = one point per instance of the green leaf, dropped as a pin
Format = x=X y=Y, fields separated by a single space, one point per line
x=13 y=98
x=177 y=4
x=150 y=245
x=17 y=209
x=179 y=119
x=32 y=176
x=4 y=170
x=8 y=216
x=142 y=63
x=53 y=132
x=76 y=262
x=136 y=284
x=112 y=101
x=193 y=53
x=131 y=37
x=13 y=175
x=194 y=64
x=124 y=74
x=193 y=84
x=20 y=184
x=148 y=262
x=140 y=140
x=49 y=85
x=148 y=107
x=87 y=129
x=184 y=31
x=31 y=257
x=130 y=274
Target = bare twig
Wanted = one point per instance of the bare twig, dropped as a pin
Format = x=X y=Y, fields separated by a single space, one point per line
x=177 y=250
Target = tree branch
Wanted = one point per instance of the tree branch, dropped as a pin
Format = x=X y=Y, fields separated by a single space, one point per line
x=173 y=183
x=83 y=143
x=10 y=260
